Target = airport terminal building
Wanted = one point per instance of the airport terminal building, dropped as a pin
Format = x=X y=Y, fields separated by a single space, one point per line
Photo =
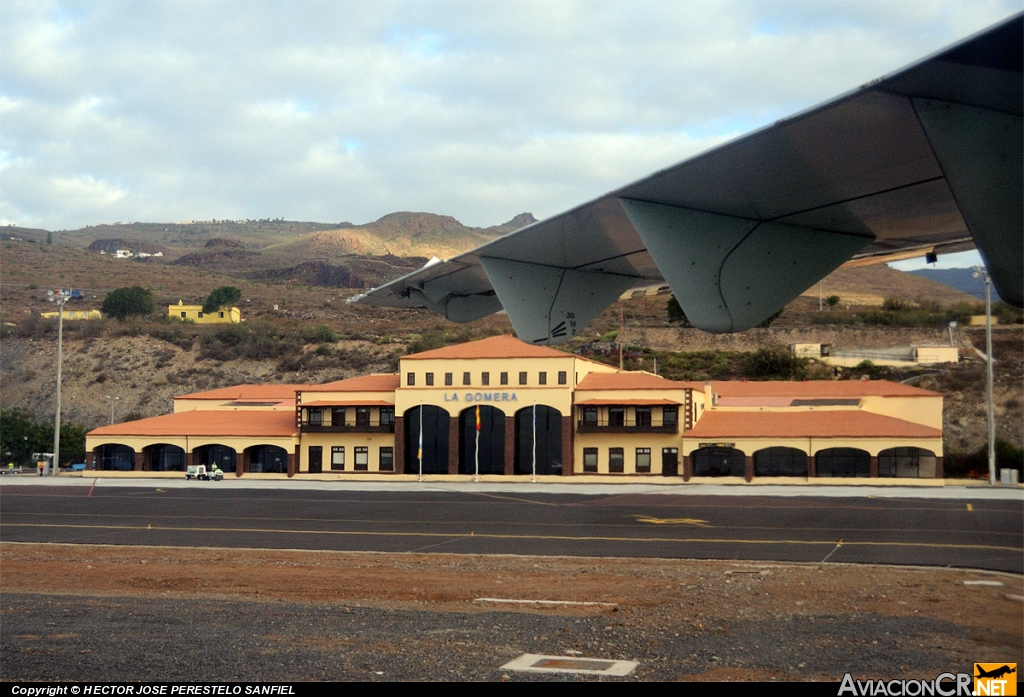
x=502 y=407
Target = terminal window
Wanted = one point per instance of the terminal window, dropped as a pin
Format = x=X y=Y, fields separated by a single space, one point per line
x=522 y=378
x=561 y=377
x=615 y=460
x=430 y=379
x=337 y=457
x=448 y=379
x=542 y=378
x=590 y=459
x=410 y=379
x=643 y=459
x=465 y=379
x=504 y=378
x=387 y=459
x=485 y=378
x=362 y=459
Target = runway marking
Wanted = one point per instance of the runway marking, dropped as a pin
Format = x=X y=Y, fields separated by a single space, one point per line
x=970 y=507
x=492 y=536
x=513 y=498
x=672 y=521
x=92 y=487
x=373 y=521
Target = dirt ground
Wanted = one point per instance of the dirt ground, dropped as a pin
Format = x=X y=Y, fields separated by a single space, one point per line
x=706 y=601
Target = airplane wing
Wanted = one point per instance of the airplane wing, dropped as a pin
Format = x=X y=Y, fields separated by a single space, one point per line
x=926 y=159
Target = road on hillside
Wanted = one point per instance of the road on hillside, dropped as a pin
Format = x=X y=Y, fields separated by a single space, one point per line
x=987 y=534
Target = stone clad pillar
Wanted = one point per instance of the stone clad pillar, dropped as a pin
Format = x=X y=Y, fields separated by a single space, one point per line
x=239 y=463
x=567 y=454
x=139 y=460
x=812 y=470
x=453 y=444
x=687 y=467
x=748 y=468
x=90 y=460
x=938 y=468
x=874 y=467
x=510 y=445
x=399 y=444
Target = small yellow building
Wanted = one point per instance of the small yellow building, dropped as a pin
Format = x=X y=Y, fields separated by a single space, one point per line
x=74 y=314
x=194 y=313
x=503 y=407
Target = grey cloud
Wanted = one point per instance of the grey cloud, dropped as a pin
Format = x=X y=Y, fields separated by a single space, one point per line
x=333 y=111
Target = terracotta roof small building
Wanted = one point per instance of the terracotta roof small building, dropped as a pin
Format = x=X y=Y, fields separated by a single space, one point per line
x=500 y=406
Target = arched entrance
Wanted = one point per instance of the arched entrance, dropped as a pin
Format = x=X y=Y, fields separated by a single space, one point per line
x=540 y=425
x=435 y=422
x=780 y=462
x=115 y=457
x=492 y=440
x=267 y=459
x=842 y=462
x=906 y=462
x=221 y=455
x=719 y=462
x=163 y=457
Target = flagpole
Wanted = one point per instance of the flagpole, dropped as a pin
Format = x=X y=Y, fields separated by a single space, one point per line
x=476 y=473
x=419 y=453
x=533 y=478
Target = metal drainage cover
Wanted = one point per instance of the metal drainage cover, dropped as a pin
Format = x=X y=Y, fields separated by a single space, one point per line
x=535 y=663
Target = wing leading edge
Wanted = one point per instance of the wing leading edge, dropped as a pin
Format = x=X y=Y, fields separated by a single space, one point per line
x=928 y=158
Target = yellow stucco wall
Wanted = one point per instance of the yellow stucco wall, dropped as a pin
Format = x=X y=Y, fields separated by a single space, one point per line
x=191 y=313
x=350 y=441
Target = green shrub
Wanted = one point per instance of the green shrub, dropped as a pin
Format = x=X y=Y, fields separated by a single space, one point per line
x=123 y=303
x=775 y=363
x=220 y=297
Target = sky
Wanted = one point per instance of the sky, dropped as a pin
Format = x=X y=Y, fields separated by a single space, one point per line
x=346 y=111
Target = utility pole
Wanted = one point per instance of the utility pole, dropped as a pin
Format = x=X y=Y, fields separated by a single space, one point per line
x=60 y=297
x=981 y=271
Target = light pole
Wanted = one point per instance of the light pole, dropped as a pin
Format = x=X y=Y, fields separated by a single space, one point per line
x=60 y=297
x=112 y=400
x=982 y=272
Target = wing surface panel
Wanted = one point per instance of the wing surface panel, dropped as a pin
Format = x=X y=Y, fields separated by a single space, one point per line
x=862 y=172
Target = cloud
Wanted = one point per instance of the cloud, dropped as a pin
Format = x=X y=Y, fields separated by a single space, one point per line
x=346 y=111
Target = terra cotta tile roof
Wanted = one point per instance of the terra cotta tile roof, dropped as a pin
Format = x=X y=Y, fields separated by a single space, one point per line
x=806 y=424
x=505 y=346
x=817 y=388
x=631 y=381
x=367 y=383
x=207 y=422
x=249 y=392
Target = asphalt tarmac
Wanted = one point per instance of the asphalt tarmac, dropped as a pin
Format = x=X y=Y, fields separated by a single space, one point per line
x=958 y=527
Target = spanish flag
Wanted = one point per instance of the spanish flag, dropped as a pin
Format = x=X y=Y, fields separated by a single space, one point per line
x=478 y=417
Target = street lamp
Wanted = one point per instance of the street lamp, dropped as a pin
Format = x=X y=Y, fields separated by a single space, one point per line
x=60 y=297
x=112 y=400
x=982 y=272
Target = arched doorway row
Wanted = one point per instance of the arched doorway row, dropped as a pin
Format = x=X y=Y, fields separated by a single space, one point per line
x=264 y=459
x=719 y=462
x=115 y=457
x=538 y=437
x=163 y=457
x=780 y=462
x=215 y=453
x=490 y=450
x=435 y=422
x=842 y=462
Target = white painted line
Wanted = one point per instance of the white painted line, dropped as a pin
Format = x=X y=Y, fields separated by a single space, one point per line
x=536 y=663
x=1011 y=596
x=540 y=602
x=983 y=583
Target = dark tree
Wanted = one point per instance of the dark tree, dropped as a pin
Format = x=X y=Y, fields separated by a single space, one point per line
x=128 y=302
x=219 y=297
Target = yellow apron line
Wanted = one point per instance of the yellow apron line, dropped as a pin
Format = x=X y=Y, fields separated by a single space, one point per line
x=453 y=535
x=641 y=519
